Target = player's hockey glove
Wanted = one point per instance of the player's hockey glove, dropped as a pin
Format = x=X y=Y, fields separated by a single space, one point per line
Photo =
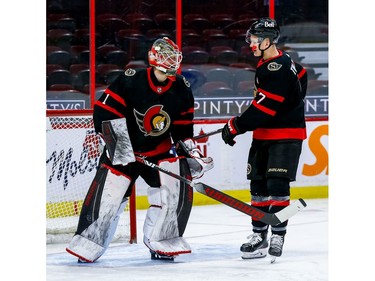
x=230 y=131
x=197 y=163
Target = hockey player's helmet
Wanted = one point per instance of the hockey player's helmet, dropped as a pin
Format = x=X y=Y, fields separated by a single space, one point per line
x=264 y=28
x=165 y=56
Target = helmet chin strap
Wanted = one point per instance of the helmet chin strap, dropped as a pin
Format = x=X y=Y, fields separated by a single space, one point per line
x=265 y=48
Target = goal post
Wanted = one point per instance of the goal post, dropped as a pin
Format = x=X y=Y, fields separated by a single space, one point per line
x=72 y=155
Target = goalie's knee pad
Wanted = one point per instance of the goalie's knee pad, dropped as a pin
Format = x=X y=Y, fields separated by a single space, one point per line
x=100 y=214
x=170 y=207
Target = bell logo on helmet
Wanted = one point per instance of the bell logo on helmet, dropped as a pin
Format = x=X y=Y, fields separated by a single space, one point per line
x=269 y=24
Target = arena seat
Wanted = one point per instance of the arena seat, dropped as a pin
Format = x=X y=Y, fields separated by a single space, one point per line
x=194 y=55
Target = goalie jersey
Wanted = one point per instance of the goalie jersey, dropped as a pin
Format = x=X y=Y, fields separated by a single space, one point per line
x=156 y=113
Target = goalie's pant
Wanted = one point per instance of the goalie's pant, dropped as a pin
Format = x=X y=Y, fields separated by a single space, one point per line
x=100 y=213
x=272 y=165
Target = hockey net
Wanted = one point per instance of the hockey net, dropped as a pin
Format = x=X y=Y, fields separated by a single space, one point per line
x=71 y=161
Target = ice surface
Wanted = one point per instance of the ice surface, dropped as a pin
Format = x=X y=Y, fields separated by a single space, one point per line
x=215 y=233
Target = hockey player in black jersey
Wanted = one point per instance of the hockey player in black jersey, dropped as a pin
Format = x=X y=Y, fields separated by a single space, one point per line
x=276 y=117
x=156 y=105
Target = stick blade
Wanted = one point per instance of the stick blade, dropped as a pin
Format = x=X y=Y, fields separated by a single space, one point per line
x=291 y=210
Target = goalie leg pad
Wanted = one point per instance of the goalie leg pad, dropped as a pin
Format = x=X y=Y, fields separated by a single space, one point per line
x=163 y=229
x=99 y=215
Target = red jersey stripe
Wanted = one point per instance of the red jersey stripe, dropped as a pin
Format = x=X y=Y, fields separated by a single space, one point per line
x=110 y=109
x=272 y=96
x=115 y=96
x=263 y=108
x=280 y=133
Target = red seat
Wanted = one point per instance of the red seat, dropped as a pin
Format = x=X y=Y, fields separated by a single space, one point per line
x=191 y=38
x=223 y=55
x=111 y=54
x=196 y=21
x=134 y=42
x=218 y=73
x=216 y=89
x=165 y=21
x=194 y=55
x=60 y=37
x=245 y=88
x=140 y=21
x=221 y=21
x=59 y=76
x=60 y=57
x=215 y=37
x=109 y=24
x=109 y=72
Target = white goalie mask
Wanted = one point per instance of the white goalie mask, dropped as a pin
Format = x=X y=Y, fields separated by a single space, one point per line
x=165 y=56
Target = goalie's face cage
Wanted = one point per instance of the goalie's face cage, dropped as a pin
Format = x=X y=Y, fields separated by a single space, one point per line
x=165 y=56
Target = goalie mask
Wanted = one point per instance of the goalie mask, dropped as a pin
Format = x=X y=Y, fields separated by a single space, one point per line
x=165 y=56
x=264 y=28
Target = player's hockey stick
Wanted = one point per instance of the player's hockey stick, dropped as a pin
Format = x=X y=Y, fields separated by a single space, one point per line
x=120 y=151
x=255 y=213
x=207 y=134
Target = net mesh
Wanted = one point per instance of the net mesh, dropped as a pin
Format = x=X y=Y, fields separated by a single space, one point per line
x=73 y=151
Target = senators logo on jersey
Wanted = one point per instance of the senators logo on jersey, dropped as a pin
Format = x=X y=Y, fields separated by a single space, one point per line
x=154 y=122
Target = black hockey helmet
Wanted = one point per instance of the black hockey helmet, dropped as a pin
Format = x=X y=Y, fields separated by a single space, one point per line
x=264 y=28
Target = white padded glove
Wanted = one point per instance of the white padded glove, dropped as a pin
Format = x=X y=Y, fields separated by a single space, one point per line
x=197 y=163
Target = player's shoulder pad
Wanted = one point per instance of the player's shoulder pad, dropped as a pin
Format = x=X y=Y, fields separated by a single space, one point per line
x=182 y=78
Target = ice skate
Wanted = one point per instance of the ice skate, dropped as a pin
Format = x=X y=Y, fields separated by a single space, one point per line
x=157 y=256
x=256 y=247
x=276 y=246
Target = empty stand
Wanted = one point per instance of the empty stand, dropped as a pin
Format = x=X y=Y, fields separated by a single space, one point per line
x=221 y=21
x=196 y=21
x=60 y=37
x=165 y=21
x=61 y=57
x=108 y=25
x=223 y=55
x=134 y=42
x=194 y=55
x=141 y=22
x=195 y=77
x=111 y=54
x=218 y=73
x=109 y=72
x=216 y=89
x=59 y=76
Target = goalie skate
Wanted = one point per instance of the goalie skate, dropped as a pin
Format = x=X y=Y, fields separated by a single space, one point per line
x=256 y=247
x=159 y=256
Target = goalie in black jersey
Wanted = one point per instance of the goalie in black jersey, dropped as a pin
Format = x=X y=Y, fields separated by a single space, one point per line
x=277 y=118
x=153 y=108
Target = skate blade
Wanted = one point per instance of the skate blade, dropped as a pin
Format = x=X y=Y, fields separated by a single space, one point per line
x=273 y=259
x=254 y=255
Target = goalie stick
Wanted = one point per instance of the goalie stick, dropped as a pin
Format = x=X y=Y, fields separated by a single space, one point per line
x=255 y=213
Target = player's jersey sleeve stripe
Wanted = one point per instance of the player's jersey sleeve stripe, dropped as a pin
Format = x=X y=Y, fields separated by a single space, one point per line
x=303 y=71
x=263 y=108
x=115 y=96
x=189 y=111
x=183 y=122
x=110 y=109
x=271 y=96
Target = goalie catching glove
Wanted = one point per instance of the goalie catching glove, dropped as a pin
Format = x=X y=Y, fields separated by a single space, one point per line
x=197 y=163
